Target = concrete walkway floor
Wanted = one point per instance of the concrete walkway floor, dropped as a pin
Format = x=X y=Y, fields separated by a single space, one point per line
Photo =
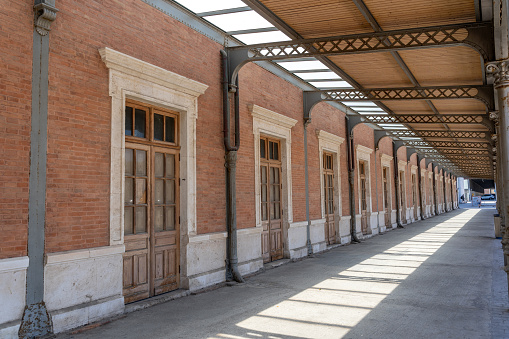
x=438 y=278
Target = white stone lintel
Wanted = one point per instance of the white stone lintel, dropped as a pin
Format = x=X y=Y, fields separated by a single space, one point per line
x=271 y=116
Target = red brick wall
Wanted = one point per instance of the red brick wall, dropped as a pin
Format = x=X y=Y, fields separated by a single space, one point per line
x=16 y=35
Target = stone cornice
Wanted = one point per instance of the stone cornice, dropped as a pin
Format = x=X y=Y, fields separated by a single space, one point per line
x=385 y=158
x=364 y=149
x=271 y=116
x=329 y=137
x=117 y=61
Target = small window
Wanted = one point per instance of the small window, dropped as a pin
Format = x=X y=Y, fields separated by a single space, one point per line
x=269 y=149
x=163 y=123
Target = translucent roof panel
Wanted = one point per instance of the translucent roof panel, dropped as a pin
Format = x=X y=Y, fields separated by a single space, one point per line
x=317 y=75
x=302 y=65
x=200 y=6
x=359 y=103
x=369 y=113
x=262 y=37
x=410 y=138
x=239 y=21
x=366 y=108
x=330 y=84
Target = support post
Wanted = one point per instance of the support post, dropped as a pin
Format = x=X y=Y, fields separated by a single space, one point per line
x=396 y=183
x=36 y=321
x=306 y=178
x=351 y=180
x=435 y=195
x=419 y=178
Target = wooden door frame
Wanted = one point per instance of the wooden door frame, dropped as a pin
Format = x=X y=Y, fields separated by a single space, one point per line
x=268 y=163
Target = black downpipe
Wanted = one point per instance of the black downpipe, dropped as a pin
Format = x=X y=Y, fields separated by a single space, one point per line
x=420 y=183
x=232 y=271
x=351 y=168
x=396 y=183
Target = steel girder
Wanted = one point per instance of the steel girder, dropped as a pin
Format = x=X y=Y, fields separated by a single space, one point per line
x=483 y=93
x=448 y=144
x=442 y=134
x=467 y=34
x=429 y=119
x=463 y=151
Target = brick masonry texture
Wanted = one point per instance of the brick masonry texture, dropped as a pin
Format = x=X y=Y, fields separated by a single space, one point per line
x=15 y=109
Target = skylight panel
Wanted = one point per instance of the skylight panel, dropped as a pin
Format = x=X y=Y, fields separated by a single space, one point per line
x=302 y=65
x=239 y=21
x=359 y=103
x=367 y=109
x=317 y=75
x=330 y=84
x=369 y=112
x=410 y=138
x=393 y=127
x=200 y=6
x=262 y=37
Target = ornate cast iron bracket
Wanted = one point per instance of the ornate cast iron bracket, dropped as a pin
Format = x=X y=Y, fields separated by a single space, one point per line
x=500 y=72
x=45 y=14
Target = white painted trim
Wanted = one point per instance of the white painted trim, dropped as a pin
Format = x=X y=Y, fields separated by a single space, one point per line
x=75 y=255
x=364 y=154
x=273 y=124
x=385 y=161
x=331 y=143
x=250 y=231
x=13 y=264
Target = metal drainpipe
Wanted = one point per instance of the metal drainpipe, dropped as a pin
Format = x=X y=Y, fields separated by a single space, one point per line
x=396 y=183
x=351 y=193
x=306 y=178
x=232 y=272
x=433 y=167
x=376 y=190
x=420 y=183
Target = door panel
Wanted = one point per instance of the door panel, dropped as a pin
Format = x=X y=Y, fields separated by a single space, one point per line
x=136 y=237
x=166 y=229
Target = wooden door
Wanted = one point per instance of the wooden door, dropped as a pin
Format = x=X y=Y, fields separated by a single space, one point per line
x=387 y=209
x=414 y=195
x=151 y=203
x=165 y=230
x=328 y=182
x=363 y=192
x=402 y=199
x=271 y=206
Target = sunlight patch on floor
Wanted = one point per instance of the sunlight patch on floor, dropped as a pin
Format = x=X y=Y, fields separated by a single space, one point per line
x=335 y=305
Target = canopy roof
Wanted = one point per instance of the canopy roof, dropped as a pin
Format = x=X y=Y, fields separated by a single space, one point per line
x=430 y=53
